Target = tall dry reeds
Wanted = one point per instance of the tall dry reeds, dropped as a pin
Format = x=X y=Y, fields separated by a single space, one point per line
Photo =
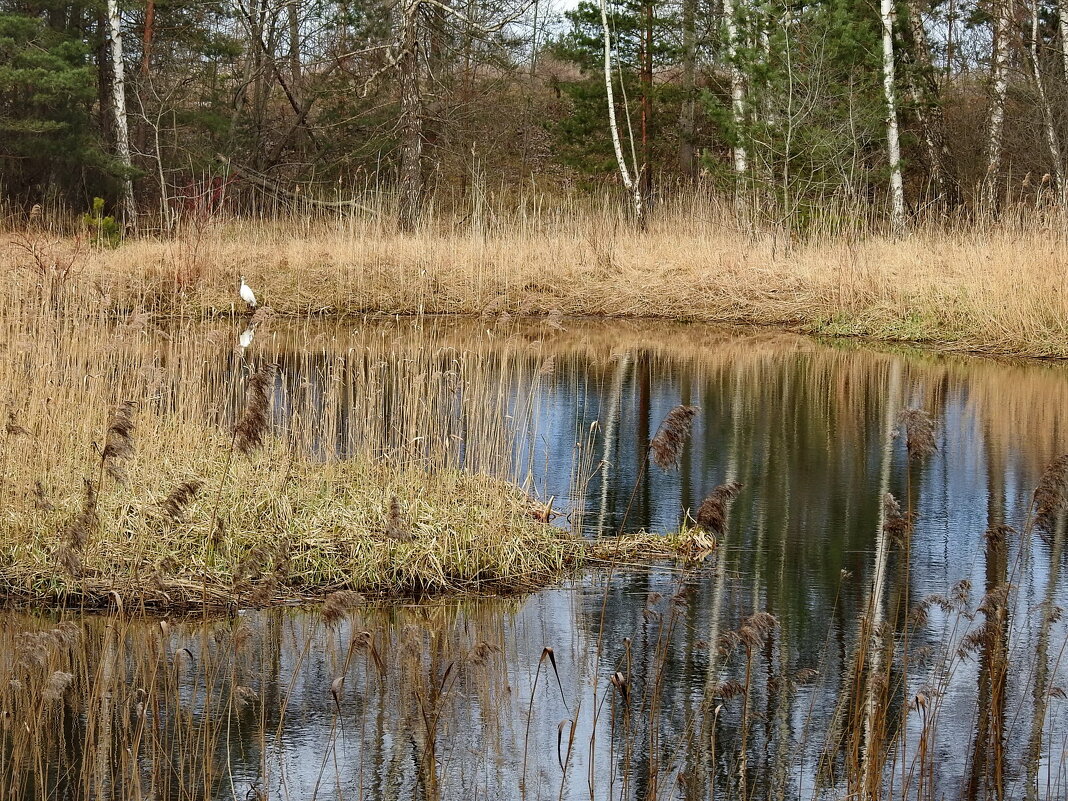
x=987 y=285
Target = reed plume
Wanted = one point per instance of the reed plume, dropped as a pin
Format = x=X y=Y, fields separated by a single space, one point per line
x=254 y=422
x=180 y=497
x=897 y=523
x=671 y=437
x=262 y=316
x=712 y=516
x=40 y=498
x=77 y=530
x=338 y=604
x=12 y=427
x=118 y=442
x=395 y=525
x=919 y=427
x=56 y=687
x=1051 y=497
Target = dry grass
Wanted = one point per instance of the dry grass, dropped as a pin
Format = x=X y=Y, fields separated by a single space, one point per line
x=158 y=465
x=997 y=287
x=287 y=535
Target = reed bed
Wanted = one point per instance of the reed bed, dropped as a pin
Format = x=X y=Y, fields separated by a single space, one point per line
x=994 y=286
x=174 y=467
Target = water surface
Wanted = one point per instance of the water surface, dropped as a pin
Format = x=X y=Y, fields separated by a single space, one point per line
x=459 y=699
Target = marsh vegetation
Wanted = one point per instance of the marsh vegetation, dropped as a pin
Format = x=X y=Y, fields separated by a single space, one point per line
x=879 y=618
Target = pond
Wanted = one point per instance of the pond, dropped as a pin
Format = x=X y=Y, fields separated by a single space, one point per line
x=820 y=652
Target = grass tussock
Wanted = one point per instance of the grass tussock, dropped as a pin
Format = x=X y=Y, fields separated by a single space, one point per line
x=331 y=526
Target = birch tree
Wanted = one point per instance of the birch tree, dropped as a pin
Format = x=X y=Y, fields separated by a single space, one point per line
x=1062 y=16
x=118 y=106
x=1049 y=126
x=630 y=182
x=893 y=140
x=999 y=89
x=741 y=158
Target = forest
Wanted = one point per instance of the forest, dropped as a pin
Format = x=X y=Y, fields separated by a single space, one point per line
x=795 y=110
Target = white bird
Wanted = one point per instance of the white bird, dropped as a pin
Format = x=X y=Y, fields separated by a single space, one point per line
x=247 y=294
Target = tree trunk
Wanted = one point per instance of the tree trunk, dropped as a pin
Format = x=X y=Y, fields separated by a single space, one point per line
x=689 y=88
x=411 y=166
x=118 y=104
x=893 y=141
x=148 y=33
x=1062 y=14
x=646 y=173
x=999 y=89
x=295 y=76
x=946 y=188
x=741 y=158
x=629 y=183
x=1047 y=110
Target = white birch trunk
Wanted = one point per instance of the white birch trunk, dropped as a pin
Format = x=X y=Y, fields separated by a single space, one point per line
x=629 y=182
x=1047 y=111
x=1000 y=84
x=1062 y=13
x=893 y=140
x=118 y=103
x=741 y=157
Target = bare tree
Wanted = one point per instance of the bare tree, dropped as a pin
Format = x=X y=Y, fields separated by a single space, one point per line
x=412 y=115
x=929 y=112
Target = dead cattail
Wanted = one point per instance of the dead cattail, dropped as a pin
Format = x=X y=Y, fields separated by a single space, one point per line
x=619 y=681
x=254 y=422
x=671 y=437
x=919 y=433
x=180 y=497
x=1051 y=497
x=118 y=443
x=337 y=604
x=712 y=516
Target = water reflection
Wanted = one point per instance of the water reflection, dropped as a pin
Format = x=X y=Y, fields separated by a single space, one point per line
x=928 y=667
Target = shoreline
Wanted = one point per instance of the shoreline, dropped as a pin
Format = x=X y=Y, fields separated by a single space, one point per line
x=995 y=291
